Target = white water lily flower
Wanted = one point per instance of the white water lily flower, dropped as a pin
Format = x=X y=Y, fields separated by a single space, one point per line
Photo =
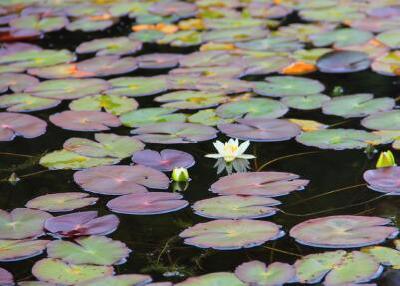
x=231 y=150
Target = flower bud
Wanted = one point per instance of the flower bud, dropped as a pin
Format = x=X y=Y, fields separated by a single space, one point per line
x=386 y=159
x=180 y=175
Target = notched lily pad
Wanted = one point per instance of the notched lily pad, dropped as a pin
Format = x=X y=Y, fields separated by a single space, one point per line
x=151 y=115
x=16 y=250
x=24 y=102
x=385 y=180
x=16 y=124
x=61 y=202
x=165 y=160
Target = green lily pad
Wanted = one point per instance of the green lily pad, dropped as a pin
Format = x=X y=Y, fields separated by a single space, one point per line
x=273 y=44
x=384 y=255
x=182 y=39
x=389 y=120
x=107 y=145
x=337 y=139
x=137 y=86
x=97 y=250
x=341 y=38
x=280 y=86
x=110 y=46
x=208 y=117
x=235 y=35
x=147 y=36
x=89 y=25
x=113 y=104
x=151 y=115
x=24 y=102
x=33 y=24
x=59 y=272
x=252 y=108
x=213 y=279
x=387 y=64
x=337 y=13
x=63 y=159
x=357 y=105
x=15 y=250
x=35 y=283
x=119 y=280
x=61 y=202
x=390 y=38
x=305 y=102
x=190 y=99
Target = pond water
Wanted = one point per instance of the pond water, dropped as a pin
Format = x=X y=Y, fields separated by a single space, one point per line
x=336 y=184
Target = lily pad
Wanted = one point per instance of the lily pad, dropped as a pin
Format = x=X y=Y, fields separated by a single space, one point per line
x=266 y=184
x=151 y=115
x=357 y=105
x=15 y=250
x=118 y=280
x=305 y=102
x=58 y=272
x=236 y=207
x=61 y=202
x=85 y=120
x=89 y=24
x=272 y=43
x=385 y=180
x=174 y=133
x=343 y=231
x=149 y=203
x=384 y=255
x=81 y=223
x=24 y=102
x=97 y=250
x=387 y=64
x=208 y=117
x=235 y=35
x=64 y=159
x=390 y=38
x=31 y=25
x=341 y=38
x=113 y=104
x=190 y=99
x=173 y=7
x=137 y=86
x=337 y=139
x=16 y=124
x=280 y=86
x=22 y=223
x=158 y=60
x=336 y=13
x=266 y=65
x=261 y=130
x=107 y=145
x=120 y=180
x=231 y=234
x=218 y=278
x=165 y=160
x=16 y=82
x=6 y=278
x=256 y=272
x=252 y=108
x=343 y=62
x=388 y=120
x=110 y=46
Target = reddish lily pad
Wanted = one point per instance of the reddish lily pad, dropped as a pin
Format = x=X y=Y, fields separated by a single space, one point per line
x=385 y=180
x=165 y=160
x=16 y=82
x=266 y=184
x=149 y=203
x=16 y=124
x=120 y=180
x=15 y=250
x=61 y=202
x=81 y=223
x=231 y=234
x=343 y=231
x=85 y=120
x=6 y=278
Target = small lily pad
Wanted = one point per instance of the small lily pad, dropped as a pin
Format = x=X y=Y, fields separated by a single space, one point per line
x=390 y=38
x=119 y=280
x=218 y=278
x=24 y=102
x=110 y=46
x=61 y=202
x=305 y=102
x=388 y=120
x=343 y=62
x=6 y=278
x=158 y=60
x=208 y=117
x=16 y=82
x=384 y=180
x=165 y=160
x=16 y=124
x=15 y=250
x=190 y=99
x=137 y=86
x=151 y=115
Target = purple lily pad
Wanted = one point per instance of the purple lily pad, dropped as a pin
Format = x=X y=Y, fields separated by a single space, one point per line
x=61 y=202
x=168 y=8
x=261 y=130
x=81 y=223
x=343 y=231
x=6 y=278
x=120 y=180
x=85 y=120
x=165 y=160
x=150 y=203
x=16 y=124
x=267 y=184
x=158 y=61
x=110 y=46
x=16 y=250
x=16 y=82
x=174 y=133
x=385 y=180
x=343 y=62
x=231 y=234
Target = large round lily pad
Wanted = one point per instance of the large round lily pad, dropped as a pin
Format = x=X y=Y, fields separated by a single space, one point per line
x=266 y=184
x=279 y=86
x=262 y=130
x=218 y=278
x=174 y=133
x=120 y=180
x=231 y=234
x=388 y=120
x=22 y=223
x=343 y=62
x=81 y=223
x=15 y=250
x=59 y=272
x=149 y=203
x=384 y=180
x=24 y=102
x=151 y=115
x=236 y=207
x=343 y=231
x=165 y=160
x=97 y=250
x=16 y=124
x=61 y=202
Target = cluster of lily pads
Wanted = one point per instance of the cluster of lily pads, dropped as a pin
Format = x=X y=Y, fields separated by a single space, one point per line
x=241 y=73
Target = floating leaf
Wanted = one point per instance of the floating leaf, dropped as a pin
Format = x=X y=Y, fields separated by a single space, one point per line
x=387 y=64
x=137 y=86
x=235 y=35
x=174 y=133
x=88 y=24
x=256 y=272
x=218 y=278
x=97 y=250
x=231 y=234
x=390 y=38
x=24 y=102
x=341 y=38
x=236 y=207
x=388 y=120
x=15 y=250
x=308 y=125
x=6 y=278
x=58 y=272
x=119 y=280
x=82 y=223
x=343 y=62
x=16 y=82
x=343 y=231
x=208 y=117
x=165 y=160
x=120 y=180
x=151 y=115
x=384 y=255
x=335 y=13
x=22 y=223
x=305 y=102
x=110 y=46
x=158 y=60
x=61 y=202
x=148 y=203
x=261 y=130
x=31 y=25
x=85 y=120
x=15 y=124
x=190 y=99
x=274 y=44
x=384 y=180
x=267 y=184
